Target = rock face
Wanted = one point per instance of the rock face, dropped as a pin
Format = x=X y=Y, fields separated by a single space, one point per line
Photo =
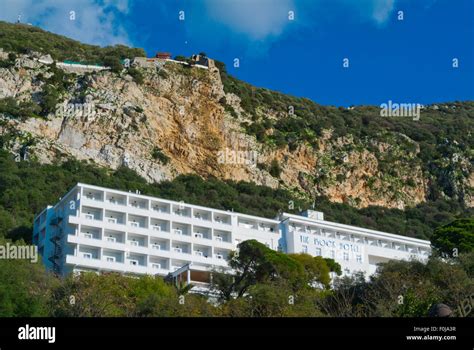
x=177 y=114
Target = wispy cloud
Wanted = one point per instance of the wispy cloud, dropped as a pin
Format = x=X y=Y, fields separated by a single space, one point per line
x=266 y=19
x=381 y=9
x=259 y=19
x=256 y=24
x=96 y=21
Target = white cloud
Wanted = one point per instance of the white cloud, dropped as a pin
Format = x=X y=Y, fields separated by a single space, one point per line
x=382 y=10
x=96 y=21
x=262 y=19
x=258 y=19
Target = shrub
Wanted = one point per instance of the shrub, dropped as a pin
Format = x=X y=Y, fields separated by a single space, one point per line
x=114 y=64
x=157 y=154
x=136 y=75
x=275 y=169
x=21 y=38
x=22 y=111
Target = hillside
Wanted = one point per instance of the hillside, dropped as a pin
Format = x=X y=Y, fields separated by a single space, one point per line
x=21 y=39
x=171 y=120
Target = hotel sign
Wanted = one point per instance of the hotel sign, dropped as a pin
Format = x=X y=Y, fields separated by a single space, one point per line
x=330 y=243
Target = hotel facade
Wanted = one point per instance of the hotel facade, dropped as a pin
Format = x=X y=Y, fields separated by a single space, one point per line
x=98 y=229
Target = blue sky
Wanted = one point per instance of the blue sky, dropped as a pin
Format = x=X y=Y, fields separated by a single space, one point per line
x=403 y=61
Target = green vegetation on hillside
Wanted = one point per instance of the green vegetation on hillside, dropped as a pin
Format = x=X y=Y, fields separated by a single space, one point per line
x=21 y=38
x=26 y=188
x=266 y=284
x=11 y=108
x=455 y=237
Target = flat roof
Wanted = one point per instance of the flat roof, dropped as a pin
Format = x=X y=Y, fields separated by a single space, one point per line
x=227 y=212
x=358 y=229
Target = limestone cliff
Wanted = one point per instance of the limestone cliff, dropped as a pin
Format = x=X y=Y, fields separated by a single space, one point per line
x=180 y=120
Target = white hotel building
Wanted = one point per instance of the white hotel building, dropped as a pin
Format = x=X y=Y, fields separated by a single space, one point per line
x=99 y=229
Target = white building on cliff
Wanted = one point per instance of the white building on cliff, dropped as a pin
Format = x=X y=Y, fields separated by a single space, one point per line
x=99 y=229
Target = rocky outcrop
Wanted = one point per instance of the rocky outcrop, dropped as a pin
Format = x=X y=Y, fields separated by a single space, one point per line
x=178 y=113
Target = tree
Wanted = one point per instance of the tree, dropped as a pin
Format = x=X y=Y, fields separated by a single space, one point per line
x=255 y=263
x=114 y=64
x=136 y=75
x=458 y=234
x=110 y=295
x=158 y=154
x=316 y=269
x=333 y=266
x=180 y=58
x=275 y=169
x=11 y=57
x=24 y=287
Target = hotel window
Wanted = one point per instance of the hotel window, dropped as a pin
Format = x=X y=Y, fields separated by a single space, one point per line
x=359 y=259
x=346 y=256
x=304 y=249
x=318 y=252
x=332 y=254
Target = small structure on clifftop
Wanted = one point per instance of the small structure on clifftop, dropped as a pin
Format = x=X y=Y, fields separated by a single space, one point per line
x=163 y=55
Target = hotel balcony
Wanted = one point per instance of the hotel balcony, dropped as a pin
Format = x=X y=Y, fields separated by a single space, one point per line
x=114 y=217
x=138 y=203
x=202 y=233
x=223 y=219
x=116 y=199
x=94 y=195
x=159 y=207
x=202 y=215
x=181 y=211
x=92 y=214
x=128 y=266
x=137 y=221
